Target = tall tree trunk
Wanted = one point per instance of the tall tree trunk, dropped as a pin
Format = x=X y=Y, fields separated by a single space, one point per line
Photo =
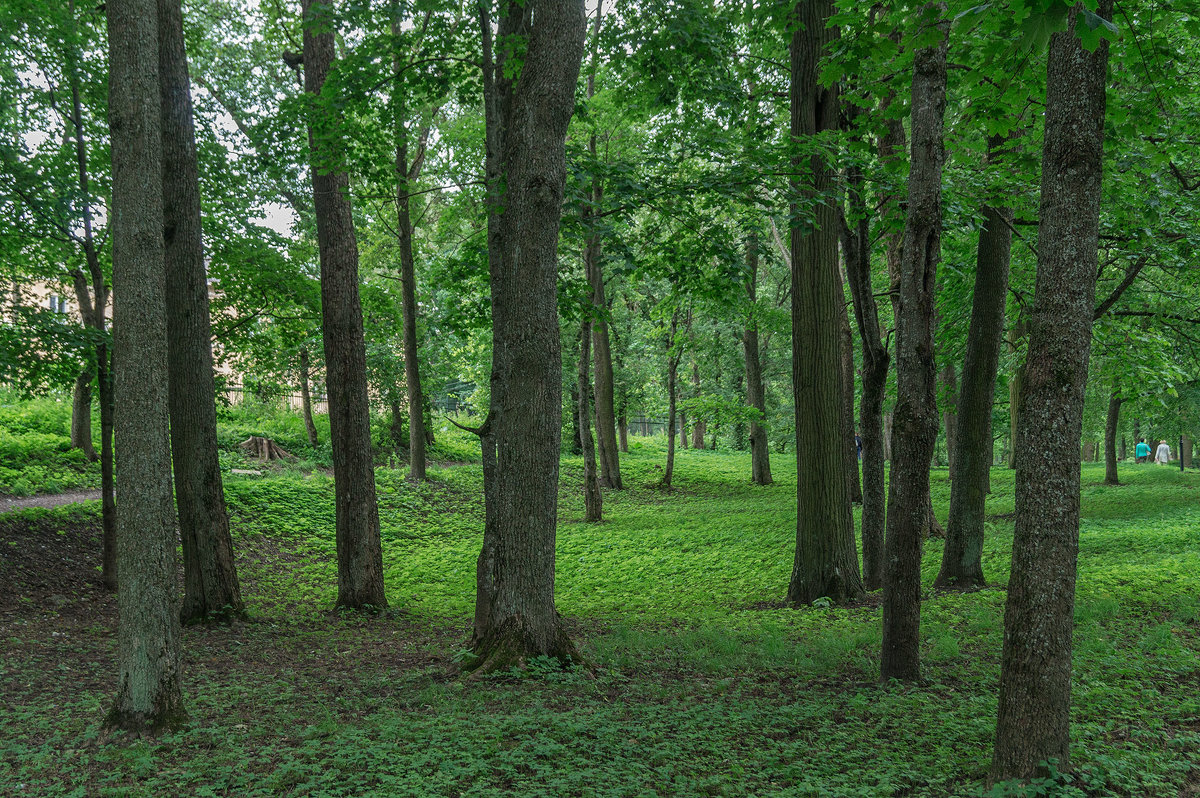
x=1035 y=669
x=92 y=309
x=1185 y=452
x=408 y=279
x=526 y=124
x=826 y=563
x=699 y=427
x=962 y=557
x=916 y=420
x=1110 y=439
x=210 y=582
x=672 y=393
x=310 y=428
x=849 y=446
x=576 y=429
x=149 y=696
x=396 y=427
x=1122 y=453
x=81 y=414
x=760 y=453
x=359 y=551
x=623 y=430
x=593 y=502
x=856 y=243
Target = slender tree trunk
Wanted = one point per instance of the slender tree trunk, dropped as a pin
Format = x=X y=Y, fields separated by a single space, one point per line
x=1035 y=671
x=526 y=124
x=592 y=500
x=699 y=427
x=1110 y=439
x=576 y=430
x=672 y=393
x=826 y=562
x=1015 y=334
x=149 y=695
x=210 y=582
x=396 y=427
x=92 y=309
x=683 y=426
x=1185 y=452
x=81 y=414
x=856 y=243
x=849 y=447
x=760 y=452
x=916 y=419
x=962 y=557
x=949 y=380
x=310 y=428
x=623 y=429
x=408 y=281
x=359 y=551
x=1123 y=451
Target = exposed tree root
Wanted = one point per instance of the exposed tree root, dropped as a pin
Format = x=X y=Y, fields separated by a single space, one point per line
x=513 y=644
x=264 y=449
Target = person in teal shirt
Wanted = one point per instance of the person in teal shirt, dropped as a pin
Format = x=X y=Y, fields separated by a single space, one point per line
x=1142 y=452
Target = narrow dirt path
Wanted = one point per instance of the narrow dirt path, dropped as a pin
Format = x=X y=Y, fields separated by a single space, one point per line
x=49 y=500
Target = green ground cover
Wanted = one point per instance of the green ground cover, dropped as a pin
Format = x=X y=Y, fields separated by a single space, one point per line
x=702 y=684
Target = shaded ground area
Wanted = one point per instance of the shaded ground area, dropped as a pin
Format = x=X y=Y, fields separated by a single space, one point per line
x=703 y=685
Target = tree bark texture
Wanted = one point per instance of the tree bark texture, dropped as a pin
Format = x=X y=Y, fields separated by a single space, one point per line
x=1015 y=334
x=875 y=363
x=210 y=582
x=81 y=414
x=593 y=501
x=310 y=428
x=527 y=116
x=149 y=696
x=962 y=557
x=915 y=416
x=359 y=551
x=760 y=452
x=1110 y=439
x=826 y=562
x=1035 y=670
x=408 y=284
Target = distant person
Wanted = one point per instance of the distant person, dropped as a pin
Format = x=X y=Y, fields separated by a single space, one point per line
x=858 y=444
x=1142 y=452
x=1163 y=455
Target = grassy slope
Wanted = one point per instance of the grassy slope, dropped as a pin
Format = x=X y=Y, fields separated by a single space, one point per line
x=703 y=687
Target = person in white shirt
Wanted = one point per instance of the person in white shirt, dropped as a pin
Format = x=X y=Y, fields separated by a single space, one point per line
x=1163 y=455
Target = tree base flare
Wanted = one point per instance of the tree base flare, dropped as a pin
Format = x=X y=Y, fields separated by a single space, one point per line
x=145 y=724
x=514 y=645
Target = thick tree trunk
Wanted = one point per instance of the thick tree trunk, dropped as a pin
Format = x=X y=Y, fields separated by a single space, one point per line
x=760 y=452
x=1035 y=671
x=210 y=582
x=149 y=696
x=1110 y=439
x=916 y=420
x=408 y=282
x=310 y=428
x=672 y=394
x=826 y=562
x=526 y=124
x=962 y=557
x=593 y=502
x=81 y=414
x=359 y=552
x=856 y=243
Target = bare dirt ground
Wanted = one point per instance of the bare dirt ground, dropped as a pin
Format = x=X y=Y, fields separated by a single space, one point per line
x=49 y=500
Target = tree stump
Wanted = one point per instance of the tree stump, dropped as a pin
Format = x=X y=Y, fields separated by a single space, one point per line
x=264 y=449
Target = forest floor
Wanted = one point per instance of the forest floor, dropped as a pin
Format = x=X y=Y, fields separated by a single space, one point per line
x=701 y=685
